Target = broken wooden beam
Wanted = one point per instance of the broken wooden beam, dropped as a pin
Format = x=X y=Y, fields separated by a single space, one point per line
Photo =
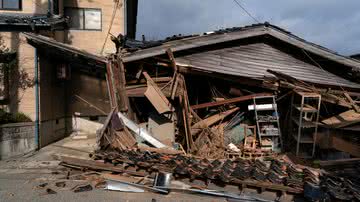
x=341 y=120
x=97 y=166
x=156 y=96
x=229 y=101
x=340 y=162
x=353 y=104
x=211 y=120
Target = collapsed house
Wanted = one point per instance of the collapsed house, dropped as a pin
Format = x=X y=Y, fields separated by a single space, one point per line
x=233 y=94
x=233 y=69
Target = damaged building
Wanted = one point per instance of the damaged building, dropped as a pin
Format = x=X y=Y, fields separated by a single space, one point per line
x=241 y=93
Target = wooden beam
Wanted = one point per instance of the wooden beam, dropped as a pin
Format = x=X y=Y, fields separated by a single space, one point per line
x=156 y=97
x=340 y=162
x=229 y=101
x=341 y=120
x=354 y=105
x=95 y=165
x=211 y=120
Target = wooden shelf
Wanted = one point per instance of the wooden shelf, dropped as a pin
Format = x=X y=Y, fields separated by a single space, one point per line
x=305 y=124
x=306 y=108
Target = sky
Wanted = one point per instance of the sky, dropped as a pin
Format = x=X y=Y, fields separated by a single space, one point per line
x=334 y=24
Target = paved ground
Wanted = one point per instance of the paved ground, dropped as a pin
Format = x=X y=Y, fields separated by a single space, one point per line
x=20 y=177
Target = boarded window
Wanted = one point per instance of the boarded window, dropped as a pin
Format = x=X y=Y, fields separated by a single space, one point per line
x=10 y=4
x=84 y=18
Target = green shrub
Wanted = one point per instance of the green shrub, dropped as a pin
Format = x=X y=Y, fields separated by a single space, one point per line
x=18 y=117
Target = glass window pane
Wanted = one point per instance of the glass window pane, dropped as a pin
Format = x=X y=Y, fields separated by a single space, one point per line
x=76 y=18
x=11 y=4
x=92 y=19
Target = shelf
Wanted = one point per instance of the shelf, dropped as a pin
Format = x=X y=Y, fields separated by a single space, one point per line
x=265 y=135
x=306 y=139
x=305 y=124
x=306 y=108
x=269 y=121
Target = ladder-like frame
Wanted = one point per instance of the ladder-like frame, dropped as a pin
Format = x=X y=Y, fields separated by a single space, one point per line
x=274 y=108
x=301 y=123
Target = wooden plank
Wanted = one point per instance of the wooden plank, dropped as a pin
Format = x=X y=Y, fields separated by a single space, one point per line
x=229 y=101
x=341 y=120
x=105 y=126
x=159 y=150
x=120 y=76
x=95 y=165
x=354 y=105
x=340 y=144
x=267 y=185
x=156 y=97
x=340 y=162
x=212 y=120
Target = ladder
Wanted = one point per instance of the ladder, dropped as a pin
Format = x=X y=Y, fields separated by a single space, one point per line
x=267 y=122
x=305 y=115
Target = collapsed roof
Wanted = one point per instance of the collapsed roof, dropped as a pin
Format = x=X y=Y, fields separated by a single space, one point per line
x=249 y=51
x=30 y=22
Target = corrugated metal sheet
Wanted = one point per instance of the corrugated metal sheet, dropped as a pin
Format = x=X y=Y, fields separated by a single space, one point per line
x=253 y=60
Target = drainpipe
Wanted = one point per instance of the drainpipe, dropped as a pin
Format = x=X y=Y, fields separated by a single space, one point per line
x=37 y=110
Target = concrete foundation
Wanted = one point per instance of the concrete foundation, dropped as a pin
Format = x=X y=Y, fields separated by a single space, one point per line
x=16 y=139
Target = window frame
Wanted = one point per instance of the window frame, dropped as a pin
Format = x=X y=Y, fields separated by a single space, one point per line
x=11 y=9
x=84 y=18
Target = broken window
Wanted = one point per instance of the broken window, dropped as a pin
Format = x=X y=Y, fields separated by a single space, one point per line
x=10 y=4
x=84 y=18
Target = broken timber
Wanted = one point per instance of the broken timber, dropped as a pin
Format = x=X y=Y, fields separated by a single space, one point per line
x=141 y=132
x=156 y=97
x=341 y=120
x=229 y=101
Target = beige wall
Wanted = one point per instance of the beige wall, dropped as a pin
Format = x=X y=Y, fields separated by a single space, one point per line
x=93 y=41
x=21 y=101
x=31 y=6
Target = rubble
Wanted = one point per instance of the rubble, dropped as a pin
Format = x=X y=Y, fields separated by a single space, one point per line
x=196 y=108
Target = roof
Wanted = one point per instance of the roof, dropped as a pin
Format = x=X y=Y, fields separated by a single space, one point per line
x=238 y=33
x=24 y=22
x=253 y=60
x=58 y=49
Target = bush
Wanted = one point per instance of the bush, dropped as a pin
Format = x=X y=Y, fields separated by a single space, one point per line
x=18 y=117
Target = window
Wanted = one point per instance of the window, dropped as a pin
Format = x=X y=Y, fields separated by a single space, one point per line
x=10 y=4
x=84 y=18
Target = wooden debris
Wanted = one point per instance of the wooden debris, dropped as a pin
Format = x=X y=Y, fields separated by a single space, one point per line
x=114 y=134
x=95 y=165
x=156 y=97
x=212 y=120
x=341 y=120
x=229 y=101
x=353 y=104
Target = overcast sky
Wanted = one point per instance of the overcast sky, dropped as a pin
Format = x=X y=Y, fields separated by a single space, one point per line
x=334 y=24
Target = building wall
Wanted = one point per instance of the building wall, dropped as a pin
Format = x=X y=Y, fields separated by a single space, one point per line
x=23 y=101
x=31 y=7
x=52 y=103
x=55 y=123
x=92 y=41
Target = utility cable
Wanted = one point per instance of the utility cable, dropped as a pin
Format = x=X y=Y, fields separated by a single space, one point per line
x=247 y=12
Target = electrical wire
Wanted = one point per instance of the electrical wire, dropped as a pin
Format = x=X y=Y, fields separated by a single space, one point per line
x=247 y=12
